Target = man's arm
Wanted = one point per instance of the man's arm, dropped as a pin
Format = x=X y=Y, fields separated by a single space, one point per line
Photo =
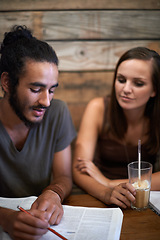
x=47 y=208
x=52 y=197
x=62 y=171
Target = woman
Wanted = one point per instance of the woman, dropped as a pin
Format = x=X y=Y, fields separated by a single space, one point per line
x=111 y=127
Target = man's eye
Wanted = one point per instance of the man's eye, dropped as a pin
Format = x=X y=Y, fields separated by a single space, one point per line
x=35 y=90
x=51 y=91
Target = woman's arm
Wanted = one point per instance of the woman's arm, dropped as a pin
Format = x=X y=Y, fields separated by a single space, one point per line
x=122 y=194
x=90 y=128
x=155 y=184
x=85 y=173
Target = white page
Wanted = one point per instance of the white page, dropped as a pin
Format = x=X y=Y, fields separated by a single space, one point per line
x=78 y=223
x=14 y=202
x=155 y=200
x=90 y=223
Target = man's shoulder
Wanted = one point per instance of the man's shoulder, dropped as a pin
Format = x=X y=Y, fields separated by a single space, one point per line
x=57 y=107
x=57 y=104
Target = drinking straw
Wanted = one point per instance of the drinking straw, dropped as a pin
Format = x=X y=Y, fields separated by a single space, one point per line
x=139 y=159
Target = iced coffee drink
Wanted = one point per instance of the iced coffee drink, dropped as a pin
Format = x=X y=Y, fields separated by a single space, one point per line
x=140 y=178
x=142 y=194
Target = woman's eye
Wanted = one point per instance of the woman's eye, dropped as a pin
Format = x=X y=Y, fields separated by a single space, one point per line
x=121 y=80
x=139 y=84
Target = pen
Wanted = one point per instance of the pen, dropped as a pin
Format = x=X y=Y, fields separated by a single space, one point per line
x=50 y=229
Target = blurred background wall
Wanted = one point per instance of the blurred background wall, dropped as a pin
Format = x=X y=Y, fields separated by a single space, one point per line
x=88 y=36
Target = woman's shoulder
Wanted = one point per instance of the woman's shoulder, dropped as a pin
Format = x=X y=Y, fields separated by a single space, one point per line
x=95 y=110
x=99 y=103
x=96 y=103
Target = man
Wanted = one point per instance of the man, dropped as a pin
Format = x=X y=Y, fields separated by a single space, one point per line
x=36 y=133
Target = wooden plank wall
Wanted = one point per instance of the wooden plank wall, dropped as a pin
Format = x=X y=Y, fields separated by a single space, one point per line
x=89 y=36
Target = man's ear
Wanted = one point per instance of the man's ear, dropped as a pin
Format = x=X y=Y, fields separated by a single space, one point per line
x=5 y=81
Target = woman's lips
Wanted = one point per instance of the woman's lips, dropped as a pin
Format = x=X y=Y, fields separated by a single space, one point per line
x=125 y=98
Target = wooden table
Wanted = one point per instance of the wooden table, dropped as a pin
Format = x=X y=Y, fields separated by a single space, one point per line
x=136 y=225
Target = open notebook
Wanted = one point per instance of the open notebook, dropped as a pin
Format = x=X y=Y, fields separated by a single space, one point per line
x=78 y=223
x=154 y=201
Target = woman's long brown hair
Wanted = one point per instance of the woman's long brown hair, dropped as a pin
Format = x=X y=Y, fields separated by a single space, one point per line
x=116 y=120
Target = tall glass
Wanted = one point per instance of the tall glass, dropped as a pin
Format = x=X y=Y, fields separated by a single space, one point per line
x=141 y=181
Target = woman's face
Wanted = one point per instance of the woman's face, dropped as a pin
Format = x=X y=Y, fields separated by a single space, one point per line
x=133 y=84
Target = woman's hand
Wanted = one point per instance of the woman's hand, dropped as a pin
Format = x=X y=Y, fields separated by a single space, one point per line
x=122 y=195
x=117 y=192
x=88 y=167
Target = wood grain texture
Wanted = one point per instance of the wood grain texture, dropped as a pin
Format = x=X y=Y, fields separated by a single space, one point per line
x=6 y=5
x=83 y=25
x=102 y=25
x=76 y=111
x=78 y=88
x=95 y=55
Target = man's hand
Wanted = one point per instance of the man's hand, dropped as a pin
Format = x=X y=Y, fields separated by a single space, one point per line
x=49 y=202
x=21 y=225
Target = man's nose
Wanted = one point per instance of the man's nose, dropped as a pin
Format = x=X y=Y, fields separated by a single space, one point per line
x=45 y=99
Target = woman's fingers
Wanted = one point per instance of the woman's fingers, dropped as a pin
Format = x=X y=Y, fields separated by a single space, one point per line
x=122 y=195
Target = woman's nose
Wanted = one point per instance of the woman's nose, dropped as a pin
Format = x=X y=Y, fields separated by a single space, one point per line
x=127 y=87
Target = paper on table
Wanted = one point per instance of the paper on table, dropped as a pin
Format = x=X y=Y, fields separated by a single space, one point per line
x=96 y=223
x=80 y=223
x=154 y=201
x=12 y=203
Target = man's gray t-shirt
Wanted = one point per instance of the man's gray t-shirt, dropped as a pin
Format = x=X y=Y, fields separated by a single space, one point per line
x=27 y=172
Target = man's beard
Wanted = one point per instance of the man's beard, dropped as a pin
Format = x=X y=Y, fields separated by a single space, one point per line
x=19 y=108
